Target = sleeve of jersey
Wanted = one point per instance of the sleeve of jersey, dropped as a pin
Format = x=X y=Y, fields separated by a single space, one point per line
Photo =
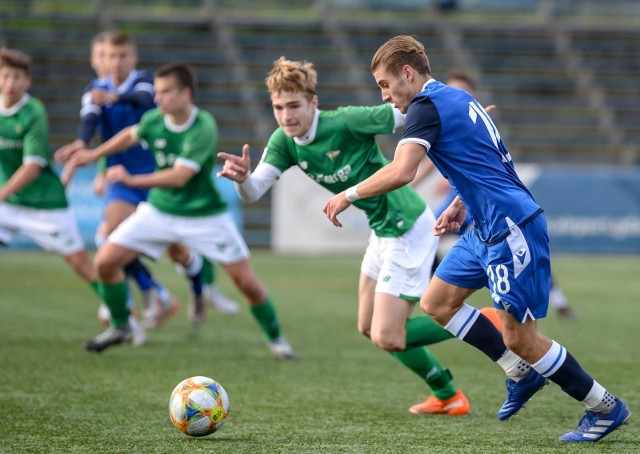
x=35 y=142
x=370 y=120
x=259 y=182
x=201 y=147
x=422 y=123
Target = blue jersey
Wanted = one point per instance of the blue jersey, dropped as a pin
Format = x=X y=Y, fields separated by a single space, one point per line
x=465 y=146
x=136 y=97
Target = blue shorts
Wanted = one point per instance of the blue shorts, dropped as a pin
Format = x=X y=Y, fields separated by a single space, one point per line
x=516 y=270
x=118 y=191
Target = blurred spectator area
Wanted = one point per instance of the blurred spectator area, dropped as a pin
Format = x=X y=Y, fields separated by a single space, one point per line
x=563 y=73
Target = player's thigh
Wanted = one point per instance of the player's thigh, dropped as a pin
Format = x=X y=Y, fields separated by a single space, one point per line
x=366 y=295
x=115 y=212
x=147 y=231
x=110 y=260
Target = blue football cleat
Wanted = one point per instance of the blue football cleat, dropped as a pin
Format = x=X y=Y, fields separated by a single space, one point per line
x=518 y=393
x=595 y=426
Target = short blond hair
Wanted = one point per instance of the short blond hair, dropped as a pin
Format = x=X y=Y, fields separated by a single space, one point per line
x=13 y=58
x=292 y=77
x=399 y=51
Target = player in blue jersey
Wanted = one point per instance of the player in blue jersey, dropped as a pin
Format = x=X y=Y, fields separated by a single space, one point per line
x=463 y=80
x=506 y=251
x=113 y=101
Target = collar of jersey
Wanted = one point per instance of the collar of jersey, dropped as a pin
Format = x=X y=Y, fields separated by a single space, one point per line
x=424 y=87
x=7 y=112
x=184 y=126
x=124 y=86
x=311 y=133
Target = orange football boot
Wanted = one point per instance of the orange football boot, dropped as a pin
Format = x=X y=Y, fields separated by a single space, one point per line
x=456 y=405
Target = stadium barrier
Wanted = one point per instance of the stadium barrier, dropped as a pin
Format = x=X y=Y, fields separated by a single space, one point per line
x=588 y=210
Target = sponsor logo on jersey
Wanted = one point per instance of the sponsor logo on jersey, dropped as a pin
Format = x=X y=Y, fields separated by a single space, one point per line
x=9 y=143
x=160 y=143
x=333 y=154
x=340 y=176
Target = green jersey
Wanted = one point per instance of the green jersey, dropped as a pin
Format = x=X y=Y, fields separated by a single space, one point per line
x=192 y=144
x=24 y=137
x=344 y=152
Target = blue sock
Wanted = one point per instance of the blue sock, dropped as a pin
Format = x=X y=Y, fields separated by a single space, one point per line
x=469 y=325
x=559 y=366
x=139 y=273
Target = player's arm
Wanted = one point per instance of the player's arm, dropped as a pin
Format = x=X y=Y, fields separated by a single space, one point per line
x=249 y=186
x=175 y=177
x=121 y=141
x=23 y=176
x=425 y=168
x=399 y=172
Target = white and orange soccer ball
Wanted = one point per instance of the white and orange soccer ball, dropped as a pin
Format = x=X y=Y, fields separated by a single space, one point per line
x=198 y=406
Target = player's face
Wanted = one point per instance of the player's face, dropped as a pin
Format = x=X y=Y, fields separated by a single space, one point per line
x=121 y=60
x=395 y=89
x=14 y=83
x=170 y=97
x=99 y=59
x=294 y=112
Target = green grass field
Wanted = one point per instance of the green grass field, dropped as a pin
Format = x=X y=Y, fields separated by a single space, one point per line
x=341 y=396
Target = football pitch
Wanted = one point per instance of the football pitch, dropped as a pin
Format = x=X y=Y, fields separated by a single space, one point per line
x=341 y=396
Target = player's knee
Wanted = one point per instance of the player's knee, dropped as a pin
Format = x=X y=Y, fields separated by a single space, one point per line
x=388 y=340
x=104 y=267
x=365 y=330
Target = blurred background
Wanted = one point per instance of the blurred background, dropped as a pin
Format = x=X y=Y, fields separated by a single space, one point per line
x=564 y=74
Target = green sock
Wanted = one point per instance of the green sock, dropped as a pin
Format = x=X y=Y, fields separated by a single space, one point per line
x=115 y=297
x=426 y=366
x=208 y=272
x=266 y=316
x=423 y=330
x=95 y=285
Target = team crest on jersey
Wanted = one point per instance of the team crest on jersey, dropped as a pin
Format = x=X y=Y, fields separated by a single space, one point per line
x=19 y=129
x=304 y=165
x=160 y=143
x=333 y=154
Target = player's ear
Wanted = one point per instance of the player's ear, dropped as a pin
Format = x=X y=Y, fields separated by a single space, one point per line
x=314 y=101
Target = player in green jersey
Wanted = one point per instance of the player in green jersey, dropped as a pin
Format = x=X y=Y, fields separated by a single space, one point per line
x=337 y=149
x=183 y=207
x=32 y=198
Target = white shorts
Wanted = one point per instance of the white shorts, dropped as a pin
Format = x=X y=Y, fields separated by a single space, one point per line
x=150 y=232
x=402 y=266
x=53 y=230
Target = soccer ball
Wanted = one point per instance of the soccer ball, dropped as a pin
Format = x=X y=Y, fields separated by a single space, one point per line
x=198 y=406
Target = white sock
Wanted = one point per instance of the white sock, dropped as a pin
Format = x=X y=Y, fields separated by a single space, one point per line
x=514 y=366
x=194 y=265
x=557 y=298
x=599 y=400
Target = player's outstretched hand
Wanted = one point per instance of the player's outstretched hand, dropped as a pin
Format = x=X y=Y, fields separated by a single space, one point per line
x=64 y=153
x=235 y=168
x=118 y=174
x=334 y=206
